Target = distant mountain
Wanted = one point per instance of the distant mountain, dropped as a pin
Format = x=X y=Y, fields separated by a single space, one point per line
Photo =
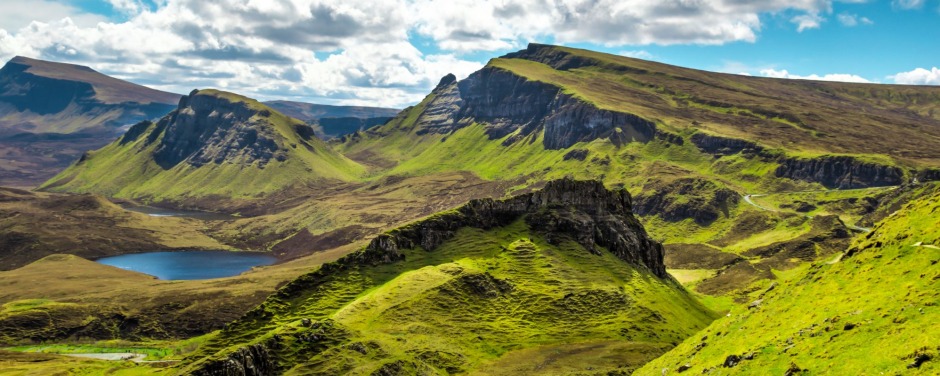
x=562 y=97
x=214 y=145
x=335 y=121
x=51 y=112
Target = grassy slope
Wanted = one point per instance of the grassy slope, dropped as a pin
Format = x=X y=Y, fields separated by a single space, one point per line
x=129 y=171
x=429 y=314
x=888 y=291
x=35 y=225
x=797 y=115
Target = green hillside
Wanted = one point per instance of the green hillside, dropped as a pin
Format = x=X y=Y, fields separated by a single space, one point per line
x=245 y=150
x=494 y=287
x=873 y=311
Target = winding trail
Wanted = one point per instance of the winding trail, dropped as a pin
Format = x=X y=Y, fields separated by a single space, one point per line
x=748 y=198
x=134 y=357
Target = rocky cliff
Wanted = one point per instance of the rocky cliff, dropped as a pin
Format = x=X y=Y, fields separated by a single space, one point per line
x=508 y=103
x=840 y=172
x=584 y=211
x=253 y=360
x=213 y=129
x=723 y=145
x=215 y=145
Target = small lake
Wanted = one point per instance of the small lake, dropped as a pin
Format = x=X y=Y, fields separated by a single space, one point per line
x=190 y=264
x=161 y=212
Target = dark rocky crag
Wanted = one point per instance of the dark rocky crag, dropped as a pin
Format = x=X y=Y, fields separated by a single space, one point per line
x=841 y=172
x=582 y=211
x=687 y=198
x=207 y=129
x=725 y=146
x=507 y=103
x=834 y=172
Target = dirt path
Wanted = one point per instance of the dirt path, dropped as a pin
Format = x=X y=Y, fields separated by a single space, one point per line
x=748 y=199
x=135 y=357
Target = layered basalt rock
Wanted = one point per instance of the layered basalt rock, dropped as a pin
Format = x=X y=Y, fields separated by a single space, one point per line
x=840 y=172
x=507 y=103
x=253 y=360
x=212 y=129
x=584 y=211
x=723 y=145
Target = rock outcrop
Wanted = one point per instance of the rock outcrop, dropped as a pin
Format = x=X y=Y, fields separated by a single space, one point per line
x=507 y=103
x=207 y=128
x=724 y=146
x=584 y=211
x=253 y=360
x=840 y=172
x=688 y=198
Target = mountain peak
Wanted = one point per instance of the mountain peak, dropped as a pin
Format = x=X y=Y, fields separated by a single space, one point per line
x=447 y=80
x=214 y=126
x=211 y=133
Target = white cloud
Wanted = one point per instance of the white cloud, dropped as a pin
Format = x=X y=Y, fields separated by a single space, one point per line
x=842 y=77
x=851 y=20
x=356 y=51
x=908 y=4
x=127 y=6
x=18 y=14
x=919 y=76
x=638 y=54
x=807 y=21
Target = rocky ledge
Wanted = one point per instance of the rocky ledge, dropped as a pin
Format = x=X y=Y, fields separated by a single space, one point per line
x=840 y=172
x=584 y=211
x=507 y=103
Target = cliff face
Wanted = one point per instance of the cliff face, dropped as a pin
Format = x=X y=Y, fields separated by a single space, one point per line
x=507 y=103
x=840 y=172
x=836 y=172
x=253 y=360
x=584 y=211
x=723 y=145
x=211 y=129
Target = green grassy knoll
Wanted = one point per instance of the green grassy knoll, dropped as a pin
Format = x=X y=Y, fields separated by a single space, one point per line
x=871 y=312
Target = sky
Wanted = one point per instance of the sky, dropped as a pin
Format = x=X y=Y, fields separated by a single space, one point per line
x=392 y=52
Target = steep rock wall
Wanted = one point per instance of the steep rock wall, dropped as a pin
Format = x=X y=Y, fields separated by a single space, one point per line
x=840 y=172
x=507 y=103
x=208 y=129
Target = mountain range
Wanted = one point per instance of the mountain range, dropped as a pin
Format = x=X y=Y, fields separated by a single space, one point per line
x=559 y=211
x=53 y=112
